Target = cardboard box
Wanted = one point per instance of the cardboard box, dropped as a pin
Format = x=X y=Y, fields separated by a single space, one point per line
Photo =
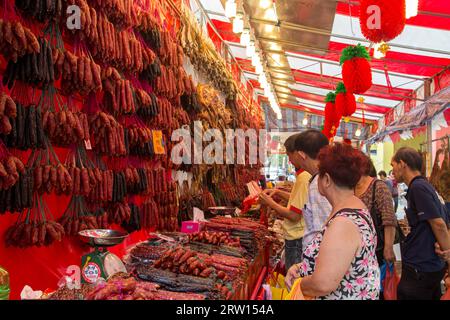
x=190 y=227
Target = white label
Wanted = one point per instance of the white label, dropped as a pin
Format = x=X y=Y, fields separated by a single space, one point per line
x=199 y=215
x=88 y=145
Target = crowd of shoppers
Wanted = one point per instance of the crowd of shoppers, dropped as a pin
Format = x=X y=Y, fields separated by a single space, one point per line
x=348 y=222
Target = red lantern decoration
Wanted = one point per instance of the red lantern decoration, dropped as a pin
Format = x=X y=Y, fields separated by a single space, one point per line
x=332 y=116
x=345 y=101
x=356 y=71
x=382 y=20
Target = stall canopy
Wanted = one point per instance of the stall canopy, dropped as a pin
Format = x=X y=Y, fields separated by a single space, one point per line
x=302 y=42
x=418 y=116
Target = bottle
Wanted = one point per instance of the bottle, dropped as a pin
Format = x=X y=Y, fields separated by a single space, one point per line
x=4 y=284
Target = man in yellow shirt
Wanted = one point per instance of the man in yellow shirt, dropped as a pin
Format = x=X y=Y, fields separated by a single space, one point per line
x=293 y=224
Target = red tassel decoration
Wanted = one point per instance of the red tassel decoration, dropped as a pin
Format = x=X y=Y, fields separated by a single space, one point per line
x=356 y=71
x=345 y=101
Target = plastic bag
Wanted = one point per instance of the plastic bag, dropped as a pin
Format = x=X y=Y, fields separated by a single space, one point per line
x=277 y=287
x=390 y=283
x=296 y=292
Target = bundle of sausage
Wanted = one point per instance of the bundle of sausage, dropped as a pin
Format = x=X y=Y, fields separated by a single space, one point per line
x=19 y=196
x=207 y=199
x=119 y=187
x=168 y=217
x=185 y=261
x=27 y=234
x=167 y=84
x=65 y=127
x=122 y=13
x=146 y=251
x=35 y=68
x=41 y=10
x=52 y=177
x=119 y=93
x=26 y=129
x=150 y=29
x=182 y=118
x=16 y=40
x=79 y=74
x=118 y=213
x=151 y=71
x=165 y=117
x=168 y=207
x=103 y=190
x=107 y=134
x=77 y=217
x=10 y=170
x=147 y=104
x=157 y=182
x=8 y=112
x=34 y=227
x=138 y=135
x=233 y=267
x=184 y=284
x=150 y=214
x=170 y=52
x=120 y=49
x=127 y=288
x=136 y=180
x=84 y=179
x=215 y=238
x=123 y=289
x=145 y=150
x=134 y=223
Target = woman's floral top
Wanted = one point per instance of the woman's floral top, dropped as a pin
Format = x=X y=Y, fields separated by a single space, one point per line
x=362 y=280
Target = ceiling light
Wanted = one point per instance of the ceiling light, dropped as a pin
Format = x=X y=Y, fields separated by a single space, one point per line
x=256 y=60
x=259 y=68
x=230 y=9
x=251 y=49
x=265 y=4
x=358 y=132
x=271 y=12
x=412 y=8
x=262 y=80
x=305 y=121
x=238 y=24
x=245 y=37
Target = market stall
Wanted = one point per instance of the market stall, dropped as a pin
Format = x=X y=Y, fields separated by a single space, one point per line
x=133 y=133
x=88 y=115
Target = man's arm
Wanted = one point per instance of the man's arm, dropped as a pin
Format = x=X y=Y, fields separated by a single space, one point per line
x=429 y=209
x=281 y=211
x=282 y=194
x=440 y=231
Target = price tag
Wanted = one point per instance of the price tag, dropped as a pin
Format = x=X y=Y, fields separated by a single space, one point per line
x=87 y=144
x=158 y=143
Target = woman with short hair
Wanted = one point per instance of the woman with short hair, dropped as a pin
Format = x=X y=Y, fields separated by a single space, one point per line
x=340 y=262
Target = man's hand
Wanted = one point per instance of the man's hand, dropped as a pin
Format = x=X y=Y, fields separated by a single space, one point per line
x=266 y=199
x=444 y=255
x=292 y=275
x=270 y=192
x=388 y=254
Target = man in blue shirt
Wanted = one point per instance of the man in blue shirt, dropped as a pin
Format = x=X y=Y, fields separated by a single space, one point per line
x=422 y=268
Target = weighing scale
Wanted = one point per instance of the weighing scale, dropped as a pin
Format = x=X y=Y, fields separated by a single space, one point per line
x=100 y=263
